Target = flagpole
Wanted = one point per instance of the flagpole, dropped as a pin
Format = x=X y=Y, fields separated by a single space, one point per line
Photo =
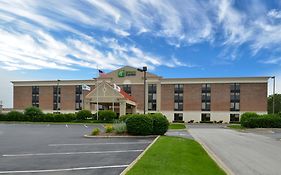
x=97 y=94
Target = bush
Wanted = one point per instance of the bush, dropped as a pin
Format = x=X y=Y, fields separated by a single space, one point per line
x=246 y=117
x=84 y=114
x=139 y=124
x=95 y=131
x=123 y=118
x=69 y=117
x=33 y=112
x=3 y=117
x=120 y=127
x=160 y=123
x=107 y=115
x=108 y=128
x=15 y=116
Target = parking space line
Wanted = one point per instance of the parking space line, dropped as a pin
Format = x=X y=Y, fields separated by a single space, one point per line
x=113 y=143
x=86 y=126
x=66 y=126
x=66 y=169
x=69 y=153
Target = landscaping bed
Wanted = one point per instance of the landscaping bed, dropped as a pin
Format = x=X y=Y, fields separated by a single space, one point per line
x=176 y=126
x=175 y=155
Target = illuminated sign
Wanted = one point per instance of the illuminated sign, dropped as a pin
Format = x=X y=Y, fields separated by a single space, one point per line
x=123 y=73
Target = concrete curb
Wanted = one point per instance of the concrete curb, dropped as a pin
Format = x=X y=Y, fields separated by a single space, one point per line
x=150 y=136
x=214 y=157
x=138 y=158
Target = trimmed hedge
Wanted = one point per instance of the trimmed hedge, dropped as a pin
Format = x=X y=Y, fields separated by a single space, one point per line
x=253 y=120
x=107 y=115
x=84 y=114
x=139 y=124
x=160 y=124
x=33 y=112
x=15 y=116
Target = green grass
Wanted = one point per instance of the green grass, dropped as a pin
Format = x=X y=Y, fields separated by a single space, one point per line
x=176 y=126
x=175 y=155
x=236 y=126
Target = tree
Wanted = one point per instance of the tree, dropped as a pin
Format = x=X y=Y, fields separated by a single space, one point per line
x=277 y=99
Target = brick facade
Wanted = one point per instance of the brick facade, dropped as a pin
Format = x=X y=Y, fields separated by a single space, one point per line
x=253 y=97
x=167 y=97
x=220 y=97
x=137 y=91
x=192 y=97
x=67 y=97
x=46 y=97
x=22 y=97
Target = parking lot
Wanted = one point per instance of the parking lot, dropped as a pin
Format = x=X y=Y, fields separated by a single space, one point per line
x=62 y=149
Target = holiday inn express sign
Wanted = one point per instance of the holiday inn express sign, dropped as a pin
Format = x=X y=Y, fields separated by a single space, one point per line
x=123 y=73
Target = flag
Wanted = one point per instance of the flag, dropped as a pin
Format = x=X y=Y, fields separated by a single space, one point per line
x=117 y=88
x=86 y=87
x=101 y=73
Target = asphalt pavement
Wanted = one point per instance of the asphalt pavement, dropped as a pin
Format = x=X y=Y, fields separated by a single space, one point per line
x=244 y=153
x=52 y=149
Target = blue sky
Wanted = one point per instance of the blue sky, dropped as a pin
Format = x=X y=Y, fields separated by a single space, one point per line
x=69 y=39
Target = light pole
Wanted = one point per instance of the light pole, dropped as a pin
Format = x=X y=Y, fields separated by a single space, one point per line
x=144 y=70
x=58 y=82
x=273 y=100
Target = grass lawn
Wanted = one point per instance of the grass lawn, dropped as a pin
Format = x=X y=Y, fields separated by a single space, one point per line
x=236 y=126
x=175 y=155
x=176 y=126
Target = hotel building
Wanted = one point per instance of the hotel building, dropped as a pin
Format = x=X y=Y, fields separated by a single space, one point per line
x=180 y=99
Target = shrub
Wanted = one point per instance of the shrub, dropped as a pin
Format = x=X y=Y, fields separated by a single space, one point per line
x=95 y=131
x=69 y=117
x=107 y=115
x=3 y=117
x=139 y=124
x=32 y=112
x=15 y=116
x=49 y=117
x=123 y=118
x=108 y=128
x=160 y=124
x=83 y=114
x=246 y=117
x=120 y=127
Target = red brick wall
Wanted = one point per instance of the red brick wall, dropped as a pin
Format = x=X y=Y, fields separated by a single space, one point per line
x=22 y=97
x=253 y=97
x=68 y=97
x=46 y=97
x=137 y=92
x=167 y=97
x=192 y=97
x=220 y=97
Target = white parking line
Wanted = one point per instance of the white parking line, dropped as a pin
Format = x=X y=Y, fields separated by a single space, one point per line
x=67 y=169
x=70 y=153
x=66 y=125
x=86 y=144
x=86 y=126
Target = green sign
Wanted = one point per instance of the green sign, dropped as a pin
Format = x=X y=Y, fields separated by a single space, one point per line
x=121 y=73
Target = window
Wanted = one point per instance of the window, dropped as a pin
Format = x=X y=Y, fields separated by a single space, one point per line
x=206 y=97
x=205 y=117
x=178 y=117
x=127 y=88
x=234 y=117
x=178 y=97
x=78 y=97
x=56 y=97
x=152 y=97
x=234 y=97
x=35 y=96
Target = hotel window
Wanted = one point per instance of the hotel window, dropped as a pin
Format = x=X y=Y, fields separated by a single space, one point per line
x=205 y=117
x=56 y=97
x=127 y=88
x=78 y=97
x=178 y=117
x=152 y=97
x=178 y=97
x=206 y=97
x=235 y=97
x=35 y=96
x=234 y=117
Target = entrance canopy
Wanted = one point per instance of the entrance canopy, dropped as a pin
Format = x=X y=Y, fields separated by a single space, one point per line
x=105 y=93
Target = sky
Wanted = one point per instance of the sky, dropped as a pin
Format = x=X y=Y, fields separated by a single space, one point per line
x=70 y=39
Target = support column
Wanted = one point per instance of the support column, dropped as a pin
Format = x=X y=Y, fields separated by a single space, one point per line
x=87 y=105
x=122 y=106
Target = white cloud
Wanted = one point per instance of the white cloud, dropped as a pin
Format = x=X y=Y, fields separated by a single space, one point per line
x=274 y=13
